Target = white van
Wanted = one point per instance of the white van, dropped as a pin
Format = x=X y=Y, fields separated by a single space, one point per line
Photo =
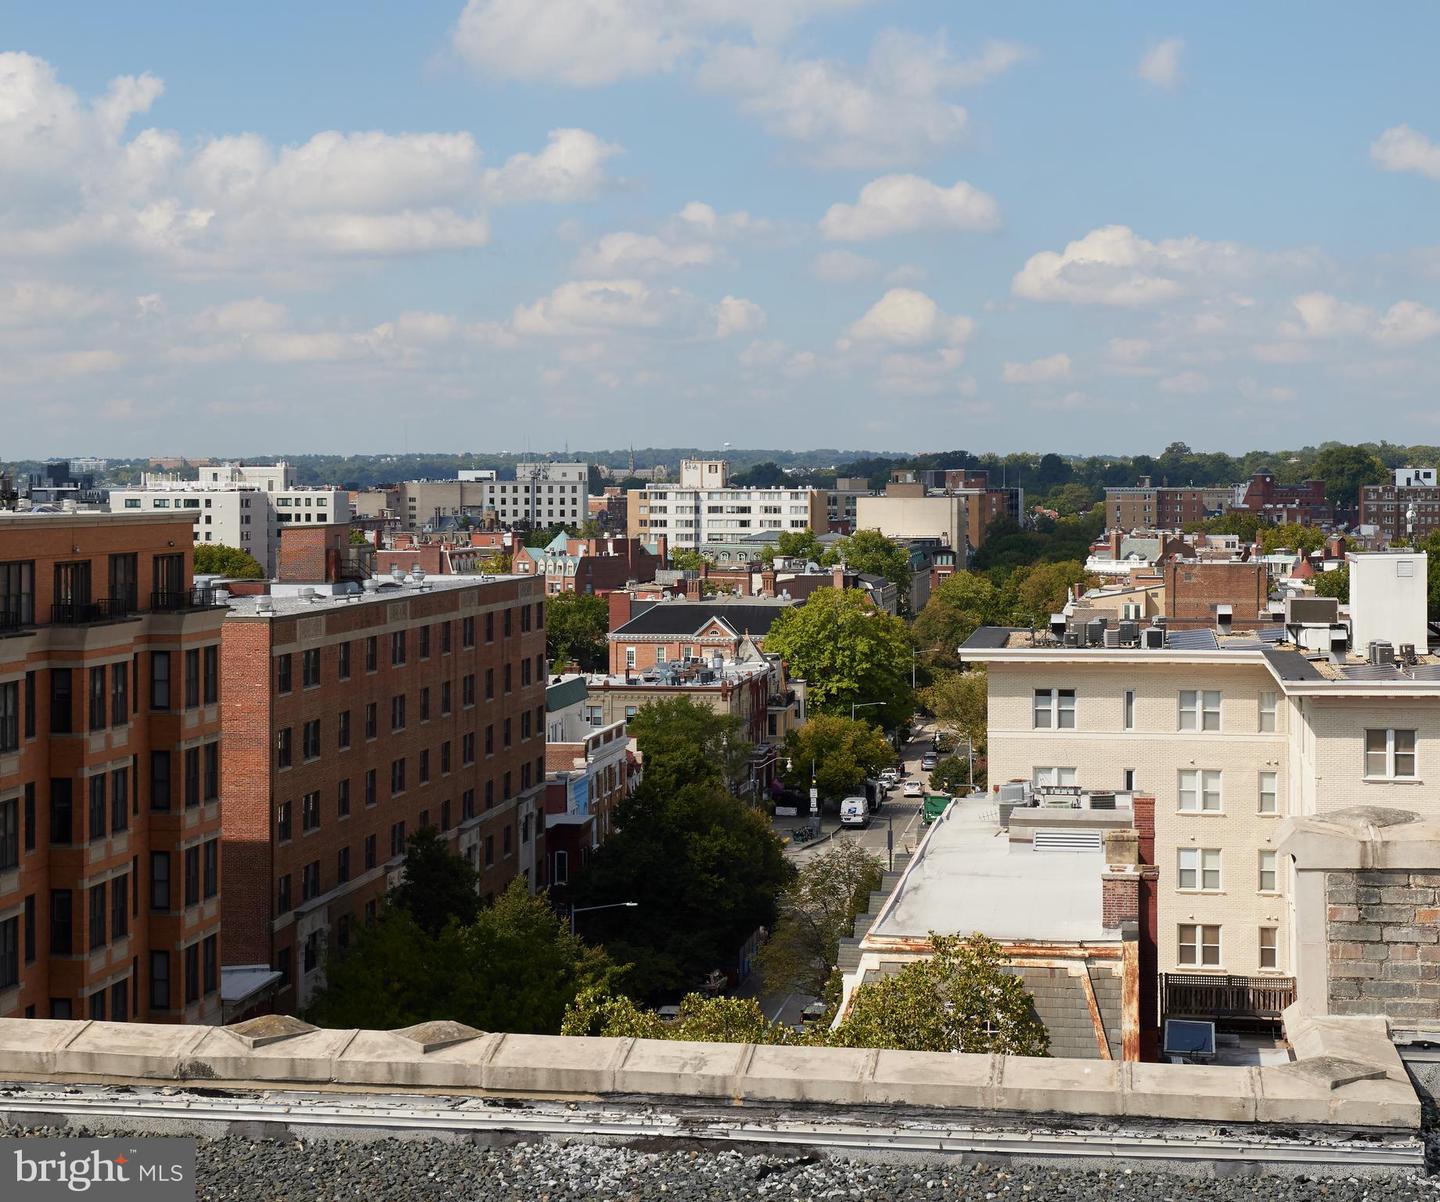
x=854 y=812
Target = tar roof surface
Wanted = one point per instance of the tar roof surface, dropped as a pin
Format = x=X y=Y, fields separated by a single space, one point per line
x=685 y=617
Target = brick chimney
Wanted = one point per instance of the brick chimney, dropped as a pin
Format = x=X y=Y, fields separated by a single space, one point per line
x=837 y=576
x=315 y=554
x=619 y=608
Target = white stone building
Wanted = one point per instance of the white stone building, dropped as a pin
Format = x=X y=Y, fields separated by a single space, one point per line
x=705 y=508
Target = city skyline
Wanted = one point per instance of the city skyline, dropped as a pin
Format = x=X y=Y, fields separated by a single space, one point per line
x=915 y=226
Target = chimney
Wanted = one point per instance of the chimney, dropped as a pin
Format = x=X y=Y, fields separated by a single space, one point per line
x=619 y=608
x=837 y=575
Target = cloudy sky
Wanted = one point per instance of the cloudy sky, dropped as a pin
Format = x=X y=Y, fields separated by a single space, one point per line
x=513 y=224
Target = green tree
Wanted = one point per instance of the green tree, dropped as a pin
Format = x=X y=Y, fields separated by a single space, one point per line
x=1334 y=583
x=1071 y=499
x=514 y=968
x=964 y=602
x=705 y=870
x=816 y=911
x=575 y=628
x=1292 y=537
x=687 y=559
x=1244 y=525
x=847 y=652
x=961 y=999
x=542 y=536
x=951 y=775
x=762 y=475
x=844 y=753
x=1345 y=470
x=683 y=742
x=701 y=1019
x=216 y=559
x=358 y=539
x=1043 y=589
x=793 y=544
x=871 y=552
x=436 y=886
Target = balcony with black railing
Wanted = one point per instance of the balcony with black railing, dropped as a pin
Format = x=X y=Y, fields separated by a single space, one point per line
x=181 y=600
x=83 y=613
x=16 y=613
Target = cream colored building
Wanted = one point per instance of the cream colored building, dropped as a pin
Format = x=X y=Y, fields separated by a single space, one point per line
x=1230 y=736
x=705 y=508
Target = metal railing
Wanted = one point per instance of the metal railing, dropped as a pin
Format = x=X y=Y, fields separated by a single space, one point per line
x=16 y=613
x=178 y=600
x=1225 y=999
x=79 y=613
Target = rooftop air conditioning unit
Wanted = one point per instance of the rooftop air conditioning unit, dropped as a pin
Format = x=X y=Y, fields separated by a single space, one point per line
x=1057 y=625
x=1129 y=633
x=1407 y=653
x=1381 y=652
x=1154 y=638
x=1112 y=637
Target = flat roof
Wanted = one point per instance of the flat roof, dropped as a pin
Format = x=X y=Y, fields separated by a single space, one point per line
x=289 y=601
x=967 y=876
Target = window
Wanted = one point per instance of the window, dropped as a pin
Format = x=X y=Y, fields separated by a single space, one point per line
x=424 y=769
x=61 y=810
x=61 y=704
x=444 y=638
x=370 y=787
x=9 y=833
x=211 y=868
x=160 y=780
x=1269 y=792
x=371 y=720
x=1269 y=872
x=467 y=690
x=159 y=980
x=192 y=974
x=159 y=880
x=1390 y=754
x=507 y=678
x=397 y=712
x=95 y=827
x=160 y=680
x=467 y=630
x=397 y=648
x=424 y=637
x=310 y=881
x=506 y=731
x=1199 y=709
x=372 y=653
x=61 y=922
x=1199 y=945
x=310 y=668
x=342 y=659
x=282 y=895
x=489 y=684
x=397 y=776
x=1269 y=710
x=211 y=955
x=310 y=812
x=424 y=705
x=1129 y=720
x=192 y=777
x=97 y=698
x=9 y=953
x=284 y=747
x=119 y=907
x=283 y=680
x=17 y=593
x=629 y=659
x=1198 y=867
x=1054 y=709
x=212 y=674
x=120 y=799
x=1055 y=776
x=192 y=876
x=119 y=695
x=1269 y=948
x=310 y=739
x=284 y=827
x=508 y=622
x=1200 y=791
x=342 y=865
x=97 y=916
x=342 y=728
x=10 y=716
x=444 y=697
x=29 y=815
x=489 y=850
x=369 y=851
x=31 y=950
x=30 y=704
x=1127 y=777
x=397 y=838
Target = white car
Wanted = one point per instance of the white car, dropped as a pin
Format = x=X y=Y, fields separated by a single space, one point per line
x=913 y=788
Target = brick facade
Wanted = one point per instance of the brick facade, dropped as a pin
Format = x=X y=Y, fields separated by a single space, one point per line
x=1384 y=943
x=1193 y=591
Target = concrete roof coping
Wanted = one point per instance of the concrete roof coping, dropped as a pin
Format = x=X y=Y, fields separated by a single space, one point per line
x=1362 y=837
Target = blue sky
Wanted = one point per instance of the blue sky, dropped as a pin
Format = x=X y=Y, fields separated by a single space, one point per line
x=517 y=224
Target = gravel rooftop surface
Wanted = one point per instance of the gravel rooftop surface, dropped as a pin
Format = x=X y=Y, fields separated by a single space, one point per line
x=243 y=1170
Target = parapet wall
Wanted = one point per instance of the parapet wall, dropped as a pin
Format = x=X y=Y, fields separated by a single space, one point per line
x=1347 y=1072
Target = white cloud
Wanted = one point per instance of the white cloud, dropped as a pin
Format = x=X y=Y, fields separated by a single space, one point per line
x=906 y=204
x=1186 y=383
x=588 y=42
x=689 y=239
x=1401 y=148
x=843 y=267
x=735 y=315
x=1115 y=266
x=241 y=317
x=1128 y=350
x=905 y=317
x=1407 y=322
x=1037 y=371
x=77 y=183
x=895 y=109
x=1322 y=316
x=587 y=307
x=1160 y=64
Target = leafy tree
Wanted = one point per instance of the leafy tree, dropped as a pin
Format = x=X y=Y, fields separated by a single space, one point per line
x=871 y=552
x=687 y=559
x=702 y=1019
x=794 y=544
x=705 y=870
x=959 y=701
x=683 y=742
x=844 y=753
x=951 y=775
x=961 y=999
x=437 y=886
x=1334 y=583
x=514 y=968
x=762 y=475
x=542 y=535
x=358 y=539
x=847 y=652
x=964 y=602
x=1043 y=589
x=575 y=628
x=1345 y=470
x=1291 y=536
x=816 y=911
x=1245 y=525
x=1071 y=499
x=216 y=559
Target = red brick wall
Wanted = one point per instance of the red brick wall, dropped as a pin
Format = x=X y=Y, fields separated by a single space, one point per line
x=1192 y=590
x=1119 y=899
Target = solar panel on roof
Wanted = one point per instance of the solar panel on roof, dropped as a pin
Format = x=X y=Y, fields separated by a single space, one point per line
x=1271 y=634
x=1425 y=672
x=1244 y=646
x=1370 y=672
x=1192 y=640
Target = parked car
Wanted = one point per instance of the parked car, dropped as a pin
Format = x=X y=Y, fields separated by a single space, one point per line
x=891 y=776
x=928 y=762
x=854 y=811
x=913 y=788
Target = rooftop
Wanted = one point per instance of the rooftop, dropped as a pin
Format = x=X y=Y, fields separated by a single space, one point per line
x=286 y=599
x=703 y=676
x=967 y=876
x=752 y=615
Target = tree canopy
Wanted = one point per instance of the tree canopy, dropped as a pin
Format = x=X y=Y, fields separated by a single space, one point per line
x=683 y=742
x=844 y=752
x=793 y=544
x=848 y=653
x=1334 y=583
x=871 y=552
x=216 y=559
x=817 y=910
x=1345 y=470
x=1291 y=536
x=959 y=702
x=575 y=628
x=516 y=967
x=686 y=559
x=436 y=885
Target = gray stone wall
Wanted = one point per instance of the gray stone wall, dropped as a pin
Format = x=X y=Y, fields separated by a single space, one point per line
x=1383 y=929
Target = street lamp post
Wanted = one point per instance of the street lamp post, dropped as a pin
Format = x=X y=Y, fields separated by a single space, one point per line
x=589 y=909
x=860 y=705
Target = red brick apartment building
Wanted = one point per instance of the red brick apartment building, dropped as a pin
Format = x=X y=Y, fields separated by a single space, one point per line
x=355 y=713
x=109 y=771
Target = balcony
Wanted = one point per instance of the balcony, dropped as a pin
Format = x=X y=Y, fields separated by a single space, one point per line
x=1228 y=1002
x=181 y=600
x=83 y=613
x=16 y=613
